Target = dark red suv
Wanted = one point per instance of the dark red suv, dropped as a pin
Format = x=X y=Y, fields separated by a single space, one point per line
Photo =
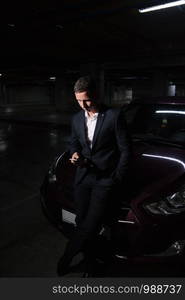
x=151 y=220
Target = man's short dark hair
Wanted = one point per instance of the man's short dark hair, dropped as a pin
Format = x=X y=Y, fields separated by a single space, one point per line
x=85 y=84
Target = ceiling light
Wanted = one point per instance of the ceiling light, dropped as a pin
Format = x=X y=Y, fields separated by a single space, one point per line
x=53 y=78
x=162 y=6
x=170 y=112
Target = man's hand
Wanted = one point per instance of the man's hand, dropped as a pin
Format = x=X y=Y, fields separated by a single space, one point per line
x=75 y=158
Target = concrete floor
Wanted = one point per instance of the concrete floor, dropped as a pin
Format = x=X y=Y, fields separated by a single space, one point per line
x=30 y=246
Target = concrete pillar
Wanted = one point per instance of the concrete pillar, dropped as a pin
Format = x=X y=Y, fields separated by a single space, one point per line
x=160 y=84
x=171 y=90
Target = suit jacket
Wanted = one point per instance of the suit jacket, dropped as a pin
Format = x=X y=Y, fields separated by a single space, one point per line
x=110 y=150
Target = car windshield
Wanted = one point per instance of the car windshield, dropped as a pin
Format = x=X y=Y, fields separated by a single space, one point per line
x=157 y=122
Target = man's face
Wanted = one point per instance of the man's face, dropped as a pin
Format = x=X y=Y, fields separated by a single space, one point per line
x=84 y=101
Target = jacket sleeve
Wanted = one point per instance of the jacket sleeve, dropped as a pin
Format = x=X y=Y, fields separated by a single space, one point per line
x=124 y=145
x=74 y=145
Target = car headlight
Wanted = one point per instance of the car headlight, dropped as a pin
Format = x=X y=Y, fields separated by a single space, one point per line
x=171 y=205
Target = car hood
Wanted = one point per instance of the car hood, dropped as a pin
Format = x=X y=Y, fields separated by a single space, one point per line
x=154 y=167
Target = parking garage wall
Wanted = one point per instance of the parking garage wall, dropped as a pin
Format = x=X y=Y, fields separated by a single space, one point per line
x=29 y=94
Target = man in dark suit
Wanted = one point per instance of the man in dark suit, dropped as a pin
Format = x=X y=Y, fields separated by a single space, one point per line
x=100 y=147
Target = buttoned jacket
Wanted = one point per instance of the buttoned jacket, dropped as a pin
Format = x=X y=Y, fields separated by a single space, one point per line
x=110 y=151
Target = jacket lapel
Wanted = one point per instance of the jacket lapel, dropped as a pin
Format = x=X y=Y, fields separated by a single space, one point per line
x=99 y=123
x=81 y=126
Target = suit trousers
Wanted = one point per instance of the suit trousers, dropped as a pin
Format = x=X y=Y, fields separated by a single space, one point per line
x=93 y=202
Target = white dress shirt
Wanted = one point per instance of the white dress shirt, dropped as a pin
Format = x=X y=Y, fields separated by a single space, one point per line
x=90 y=127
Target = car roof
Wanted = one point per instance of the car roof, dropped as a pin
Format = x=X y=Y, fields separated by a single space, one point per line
x=160 y=100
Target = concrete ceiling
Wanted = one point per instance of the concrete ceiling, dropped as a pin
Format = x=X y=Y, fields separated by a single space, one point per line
x=55 y=33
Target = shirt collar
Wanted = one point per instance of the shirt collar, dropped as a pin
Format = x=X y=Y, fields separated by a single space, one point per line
x=95 y=116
